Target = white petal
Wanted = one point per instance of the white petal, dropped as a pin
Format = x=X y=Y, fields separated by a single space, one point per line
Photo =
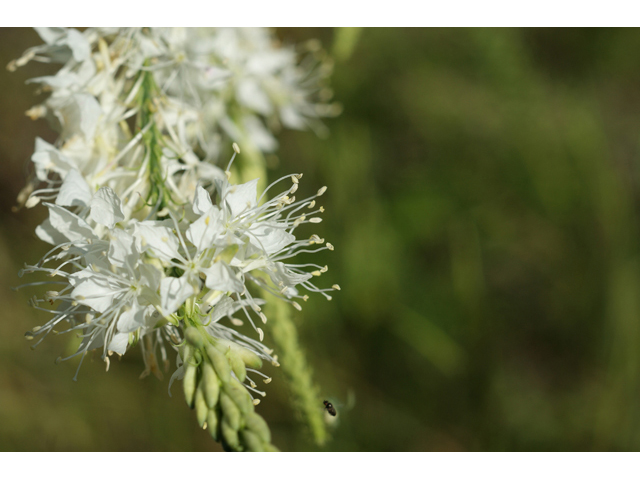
x=203 y=231
x=202 y=201
x=96 y=292
x=240 y=198
x=75 y=191
x=119 y=343
x=173 y=293
x=122 y=248
x=69 y=225
x=47 y=233
x=221 y=277
x=283 y=275
x=259 y=134
x=47 y=158
x=78 y=44
x=251 y=95
x=106 y=207
x=269 y=238
x=132 y=319
x=161 y=240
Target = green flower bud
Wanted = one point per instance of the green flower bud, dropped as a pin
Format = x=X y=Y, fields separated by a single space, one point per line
x=239 y=395
x=202 y=409
x=210 y=384
x=251 y=441
x=230 y=435
x=185 y=352
x=220 y=363
x=237 y=365
x=194 y=337
x=230 y=412
x=257 y=425
x=270 y=448
x=189 y=383
x=249 y=358
x=212 y=424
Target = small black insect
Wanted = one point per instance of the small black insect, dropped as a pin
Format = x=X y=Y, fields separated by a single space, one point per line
x=330 y=408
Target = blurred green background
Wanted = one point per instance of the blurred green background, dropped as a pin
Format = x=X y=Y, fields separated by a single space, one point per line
x=483 y=201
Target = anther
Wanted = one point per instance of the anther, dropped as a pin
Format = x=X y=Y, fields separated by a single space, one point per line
x=236 y=148
x=322 y=190
x=267 y=380
x=336 y=287
x=297 y=306
x=329 y=246
x=315 y=220
x=256 y=401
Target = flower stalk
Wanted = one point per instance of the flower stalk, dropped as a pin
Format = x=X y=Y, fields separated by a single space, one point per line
x=152 y=245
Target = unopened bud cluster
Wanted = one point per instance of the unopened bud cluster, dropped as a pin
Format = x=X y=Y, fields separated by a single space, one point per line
x=213 y=372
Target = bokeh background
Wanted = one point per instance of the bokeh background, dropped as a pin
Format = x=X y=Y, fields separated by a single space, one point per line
x=483 y=201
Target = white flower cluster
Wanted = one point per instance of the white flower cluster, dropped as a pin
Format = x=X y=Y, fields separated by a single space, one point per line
x=149 y=239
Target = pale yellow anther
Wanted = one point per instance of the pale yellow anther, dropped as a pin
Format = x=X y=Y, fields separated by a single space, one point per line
x=267 y=380
x=336 y=287
x=263 y=317
x=256 y=401
x=36 y=112
x=32 y=202
x=329 y=246
x=305 y=298
x=312 y=204
x=237 y=322
x=236 y=148
x=297 y=306
x=315 y=220
x=294 y=179
x=260 y=333
x=321 y=209
x=322 y=190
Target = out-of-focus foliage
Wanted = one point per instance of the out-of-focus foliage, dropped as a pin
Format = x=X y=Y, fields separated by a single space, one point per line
x=483 y=201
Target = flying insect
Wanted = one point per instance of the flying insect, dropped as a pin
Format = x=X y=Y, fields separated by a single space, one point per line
x=330 y=408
